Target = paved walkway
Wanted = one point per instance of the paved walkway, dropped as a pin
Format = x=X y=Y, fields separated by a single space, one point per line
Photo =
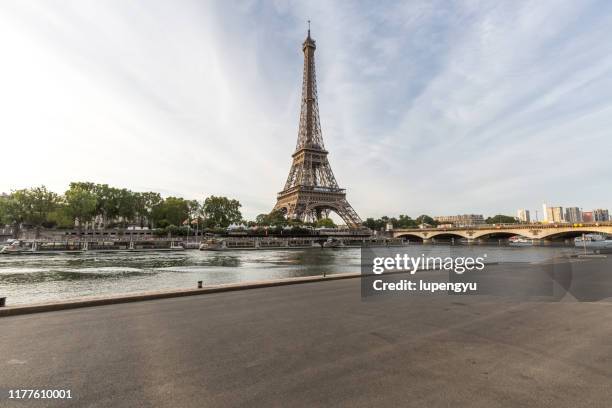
x=315 y=344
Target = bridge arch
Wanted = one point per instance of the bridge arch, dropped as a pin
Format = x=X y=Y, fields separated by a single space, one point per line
x=569 y=233
x=449 y=235
x=500 y=235
x=410 y=237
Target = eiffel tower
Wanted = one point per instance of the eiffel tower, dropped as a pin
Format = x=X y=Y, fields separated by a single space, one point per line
x=311 y=191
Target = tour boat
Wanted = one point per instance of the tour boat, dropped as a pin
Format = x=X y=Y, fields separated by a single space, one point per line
x=224 y=244
x=593 y=241
x=520 y=241
x=332 y=243
x=14 y=247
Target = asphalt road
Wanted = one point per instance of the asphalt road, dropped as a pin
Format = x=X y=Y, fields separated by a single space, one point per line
x=316 y=344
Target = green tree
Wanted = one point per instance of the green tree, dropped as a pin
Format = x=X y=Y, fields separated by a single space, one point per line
x=425 y=219
x=33 y=206
x=12 y=212
x=79 y=205
x=405 y=221
x=172 y=211
x=326 y=223
x=274 y=218
x=147 y=202
x=374 y=224
x=221 y=212
x=107 y=202
x=126 y=206
x=501 y=219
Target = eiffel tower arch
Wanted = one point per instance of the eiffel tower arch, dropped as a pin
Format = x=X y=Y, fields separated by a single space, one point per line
x=311 y=191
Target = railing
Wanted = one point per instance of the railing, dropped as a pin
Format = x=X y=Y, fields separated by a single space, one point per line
x=513 y=226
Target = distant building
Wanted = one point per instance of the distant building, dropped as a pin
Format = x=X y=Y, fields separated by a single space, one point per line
x=523 y=215
x=461 y=220
x=601 y=215
x=553 y=214
x=587 y=216
x=573 y=214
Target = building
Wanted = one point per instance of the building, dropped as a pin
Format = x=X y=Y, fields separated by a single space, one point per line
x=553 y=214
x=573 y=214
x=601 y=215
x=461 y=220
x=523 y=216
x=587 y=216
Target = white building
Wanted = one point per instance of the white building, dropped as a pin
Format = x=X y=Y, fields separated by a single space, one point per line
x=553 y=214
x=523 y=215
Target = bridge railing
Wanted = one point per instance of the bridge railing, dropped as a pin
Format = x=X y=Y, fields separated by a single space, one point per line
x=512 y=226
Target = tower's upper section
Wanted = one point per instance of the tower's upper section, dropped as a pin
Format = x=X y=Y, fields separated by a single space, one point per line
x=309 y=134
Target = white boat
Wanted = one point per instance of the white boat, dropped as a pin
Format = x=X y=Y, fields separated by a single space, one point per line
x=212 y=245
x=332 y=243
x=520 y=241
x=593 y=241
x=14 y=247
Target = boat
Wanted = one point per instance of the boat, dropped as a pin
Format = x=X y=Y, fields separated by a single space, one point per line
x=596 y=241
x=191 y=244
x=519 y=241
x=333 y=243
x=212 y=245
x=15 y=247
x=243 y=243
x=176 y=247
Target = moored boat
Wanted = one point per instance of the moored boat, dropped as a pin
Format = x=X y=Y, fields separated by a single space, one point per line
x=593 y=241
x=520 y=241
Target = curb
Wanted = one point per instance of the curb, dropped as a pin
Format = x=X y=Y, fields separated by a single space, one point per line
x=102 y=301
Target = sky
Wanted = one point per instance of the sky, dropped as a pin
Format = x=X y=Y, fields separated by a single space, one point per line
x=426 y=107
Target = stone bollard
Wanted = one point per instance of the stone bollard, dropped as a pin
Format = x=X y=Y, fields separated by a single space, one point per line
x=199 y=284
x=2 y=301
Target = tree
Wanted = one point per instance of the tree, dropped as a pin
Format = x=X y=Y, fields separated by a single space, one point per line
x=33 y=206
x=126 y=206
x=405 y=221
x=172 y=211
x=501 y=219
x=221 y=212
x=12 y=212
x=326 y=223
x=147 y=202
x=107 y=202
x=274 y=218
x=374 y=224
x=425 y=219
x=80 y=205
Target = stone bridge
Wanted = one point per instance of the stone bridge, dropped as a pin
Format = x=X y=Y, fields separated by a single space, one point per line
x=500 y=231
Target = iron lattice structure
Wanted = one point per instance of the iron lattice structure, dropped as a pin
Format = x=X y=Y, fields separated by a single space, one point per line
x=311 y=190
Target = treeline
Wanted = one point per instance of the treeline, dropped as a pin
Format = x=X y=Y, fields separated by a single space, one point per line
x=404 y=221
x=104 y=206
x=110 y=207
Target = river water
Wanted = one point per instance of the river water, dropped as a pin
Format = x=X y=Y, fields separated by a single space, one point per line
x=28 y=279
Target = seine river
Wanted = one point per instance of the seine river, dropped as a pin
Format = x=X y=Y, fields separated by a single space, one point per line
x=40 y=278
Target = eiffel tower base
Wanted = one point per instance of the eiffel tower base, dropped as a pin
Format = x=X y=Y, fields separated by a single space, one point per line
x=311 y=206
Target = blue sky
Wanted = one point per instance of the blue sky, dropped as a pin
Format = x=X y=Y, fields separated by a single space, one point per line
x=438 y=107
